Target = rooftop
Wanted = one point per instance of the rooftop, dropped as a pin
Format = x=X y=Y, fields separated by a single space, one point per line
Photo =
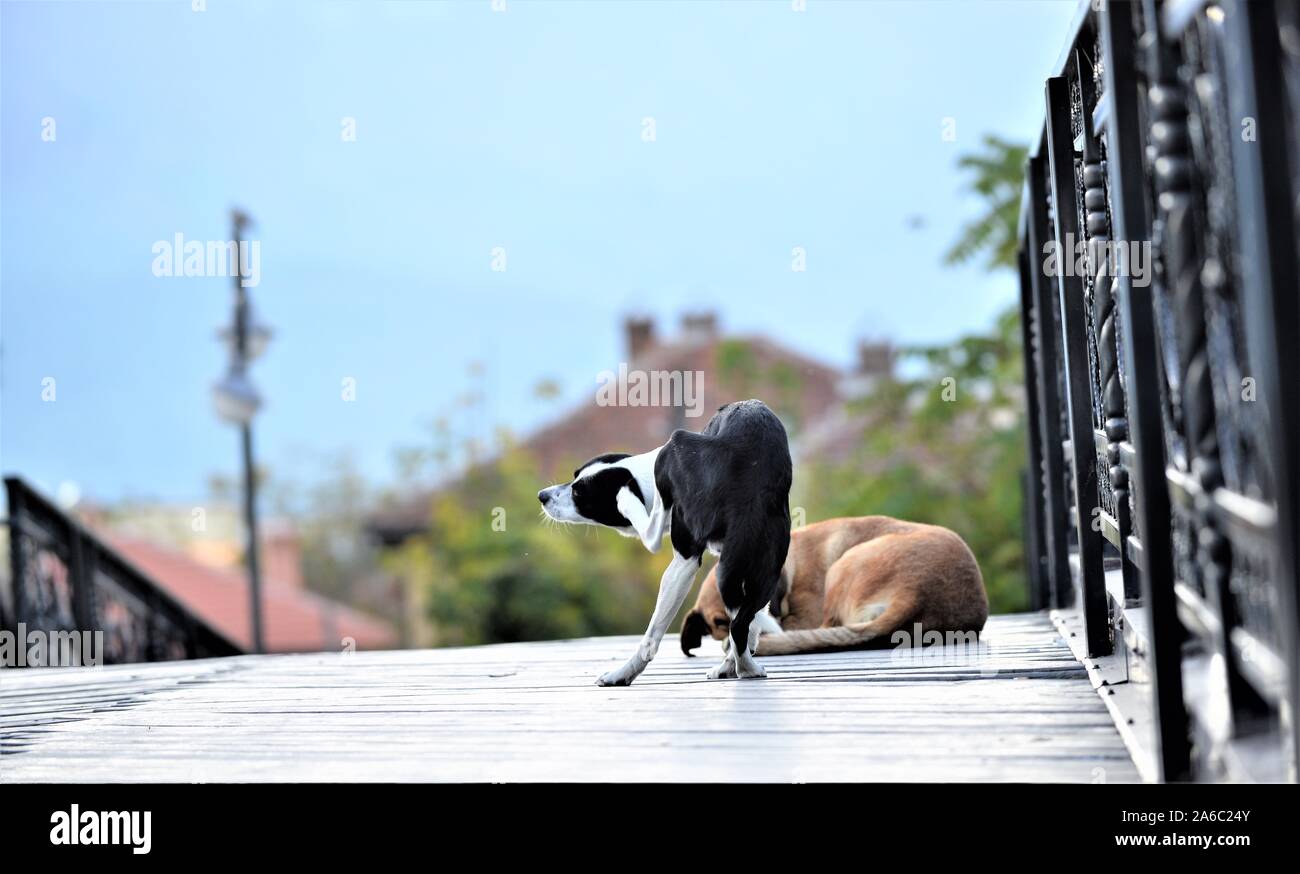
x=295 y=618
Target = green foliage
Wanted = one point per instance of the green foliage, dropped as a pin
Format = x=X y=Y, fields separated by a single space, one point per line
x=945 y=448
x=737 y=363
x=494 y=570
x=998 y=174
x=329 y=513
x=743 y=375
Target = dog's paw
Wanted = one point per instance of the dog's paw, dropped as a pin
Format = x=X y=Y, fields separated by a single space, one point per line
x=614 y=678
x=724 y=671
x=752 y=671
x=624 y=675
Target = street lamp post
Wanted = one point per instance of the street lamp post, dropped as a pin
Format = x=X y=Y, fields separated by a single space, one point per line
x=237 y=401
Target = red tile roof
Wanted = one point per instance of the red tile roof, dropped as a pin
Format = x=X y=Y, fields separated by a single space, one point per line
x=293 y=619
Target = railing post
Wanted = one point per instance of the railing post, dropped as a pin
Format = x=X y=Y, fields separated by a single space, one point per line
x=81 y=568
x=17 y=557
x=1270 y=300
x=6 y=619
x=1150 y=489
x=1046 y=358
x=1033 y=514
x=1092 y=582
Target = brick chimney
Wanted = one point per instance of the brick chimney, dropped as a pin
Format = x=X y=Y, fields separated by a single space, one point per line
x=875 y=365
x=699 y=327
x=282 y=553
x=875 y=358
x=640 y=335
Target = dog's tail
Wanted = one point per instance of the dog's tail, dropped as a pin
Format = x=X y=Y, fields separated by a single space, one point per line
x=694 y=628
x=820 y=639
x=879 y=621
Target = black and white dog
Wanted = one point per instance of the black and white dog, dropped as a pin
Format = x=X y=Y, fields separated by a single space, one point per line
x=725 y=489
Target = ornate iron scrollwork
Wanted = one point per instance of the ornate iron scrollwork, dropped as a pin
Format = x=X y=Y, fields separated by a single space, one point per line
x=66 y=581
x=1192 y=447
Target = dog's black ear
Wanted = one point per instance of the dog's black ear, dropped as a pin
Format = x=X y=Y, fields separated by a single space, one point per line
x=693 y=630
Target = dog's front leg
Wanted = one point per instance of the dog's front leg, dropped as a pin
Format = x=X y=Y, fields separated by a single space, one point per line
x=673 y=586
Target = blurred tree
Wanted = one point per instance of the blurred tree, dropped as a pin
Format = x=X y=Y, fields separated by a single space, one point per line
x=329 y=514
x=336 y=555
x=410 y=462
x=221 y=488
x=998 y=179
x=492 y=571
x=945 y=448
x=546 y=389
x=743 y=375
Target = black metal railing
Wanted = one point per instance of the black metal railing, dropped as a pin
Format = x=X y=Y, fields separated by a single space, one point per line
x=1164 y=370
x=64 y=581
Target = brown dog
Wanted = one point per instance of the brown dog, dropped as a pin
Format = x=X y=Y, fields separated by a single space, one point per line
x=853 y=582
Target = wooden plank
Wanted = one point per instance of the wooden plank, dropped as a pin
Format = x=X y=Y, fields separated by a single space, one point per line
x=1017 y=707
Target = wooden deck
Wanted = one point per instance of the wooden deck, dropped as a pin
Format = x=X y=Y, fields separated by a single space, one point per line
x=1021 y=709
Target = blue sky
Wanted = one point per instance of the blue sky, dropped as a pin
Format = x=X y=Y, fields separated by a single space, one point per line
x=474 y=129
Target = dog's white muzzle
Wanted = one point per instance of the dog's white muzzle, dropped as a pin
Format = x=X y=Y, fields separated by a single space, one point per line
x=557 y=502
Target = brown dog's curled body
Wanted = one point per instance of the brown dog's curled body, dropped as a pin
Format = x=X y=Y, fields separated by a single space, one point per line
x=853 y=582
